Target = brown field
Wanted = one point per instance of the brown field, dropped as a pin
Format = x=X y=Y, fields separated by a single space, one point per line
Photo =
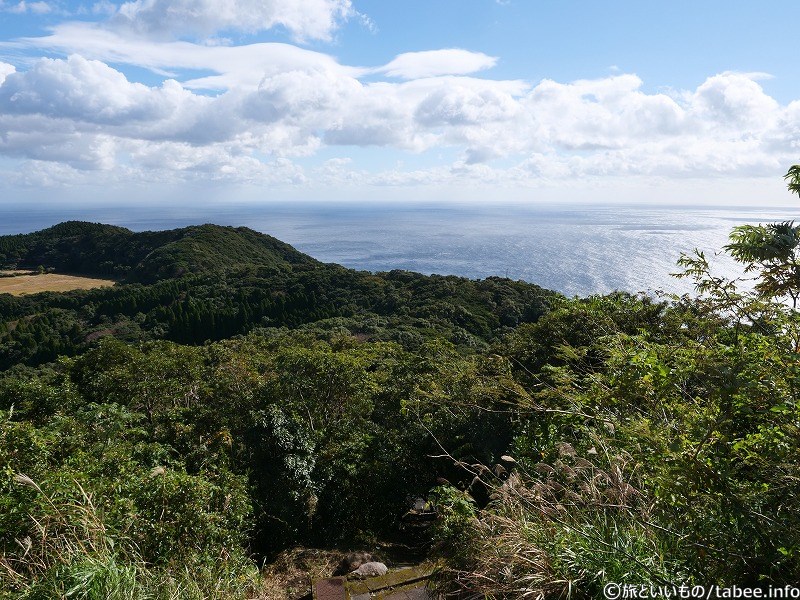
x=49 y=282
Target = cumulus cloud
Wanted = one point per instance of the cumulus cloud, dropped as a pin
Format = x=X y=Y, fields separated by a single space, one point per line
x=601 y=114
x=85 y=90
x=734 y=98
x=464 y=105
x=304 y=19
x=432 y=63
x=5 y=70
x=86 y=115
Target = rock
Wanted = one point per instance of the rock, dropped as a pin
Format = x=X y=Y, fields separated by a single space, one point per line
x=370 y=569
x=351 y=562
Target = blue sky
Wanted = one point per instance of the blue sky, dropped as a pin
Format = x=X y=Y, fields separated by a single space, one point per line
x=470 y=100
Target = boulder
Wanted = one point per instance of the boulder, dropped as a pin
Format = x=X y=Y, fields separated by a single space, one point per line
x=370 y=569
x=351 y=562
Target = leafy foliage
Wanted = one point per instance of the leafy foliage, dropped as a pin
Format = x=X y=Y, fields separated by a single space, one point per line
x=771 y=251
x=793 y=178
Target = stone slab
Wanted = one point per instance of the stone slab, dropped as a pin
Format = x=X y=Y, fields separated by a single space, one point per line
x=329 y=589
x=417 y=593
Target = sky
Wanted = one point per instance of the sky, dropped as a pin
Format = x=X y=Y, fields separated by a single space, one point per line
x=489 y=101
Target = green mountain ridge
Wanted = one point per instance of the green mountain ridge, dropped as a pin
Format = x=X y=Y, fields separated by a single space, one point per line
x=98 y=249
x=207 y=282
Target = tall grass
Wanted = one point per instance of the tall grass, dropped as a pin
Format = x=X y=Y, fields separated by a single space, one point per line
x=70 y=553
x=562 y=531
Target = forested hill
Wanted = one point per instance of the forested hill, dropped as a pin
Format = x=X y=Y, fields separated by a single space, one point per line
x=97 y=249
x=208 y=282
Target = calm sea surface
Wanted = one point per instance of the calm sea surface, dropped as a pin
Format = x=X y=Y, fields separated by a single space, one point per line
x=576 y=249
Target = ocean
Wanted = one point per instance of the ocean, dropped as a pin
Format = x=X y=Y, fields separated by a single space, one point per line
x=577 y=250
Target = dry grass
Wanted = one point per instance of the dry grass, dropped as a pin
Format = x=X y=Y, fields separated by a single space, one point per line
x=49 y=282
x=558 y=530
x=290 y=575
x=13 y=272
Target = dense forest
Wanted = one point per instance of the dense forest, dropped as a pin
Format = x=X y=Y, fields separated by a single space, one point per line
x=231 y=398
x=226 y=281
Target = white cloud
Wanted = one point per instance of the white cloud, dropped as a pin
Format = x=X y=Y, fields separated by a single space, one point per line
x=84 y=151
x=463 y=105
x=103 y=7
x=280 y=103
x=5 y=70
x=214 y=162
x=601 y=114
x=304 y=19
x=85 y=90
x=45 y=174
x=228 y=67
x=433 y=63
x=21 y=7
x=296 y=95
x=734 y=98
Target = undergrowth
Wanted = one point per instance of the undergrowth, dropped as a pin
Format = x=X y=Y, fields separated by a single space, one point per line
x=71 y=553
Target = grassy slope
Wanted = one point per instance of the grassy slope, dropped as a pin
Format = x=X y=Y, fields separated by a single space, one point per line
x=49 y=282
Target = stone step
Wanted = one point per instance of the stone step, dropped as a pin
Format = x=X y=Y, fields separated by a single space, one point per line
x=408 y=583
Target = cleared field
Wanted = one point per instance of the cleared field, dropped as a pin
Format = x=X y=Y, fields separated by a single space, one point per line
x=49 y=282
